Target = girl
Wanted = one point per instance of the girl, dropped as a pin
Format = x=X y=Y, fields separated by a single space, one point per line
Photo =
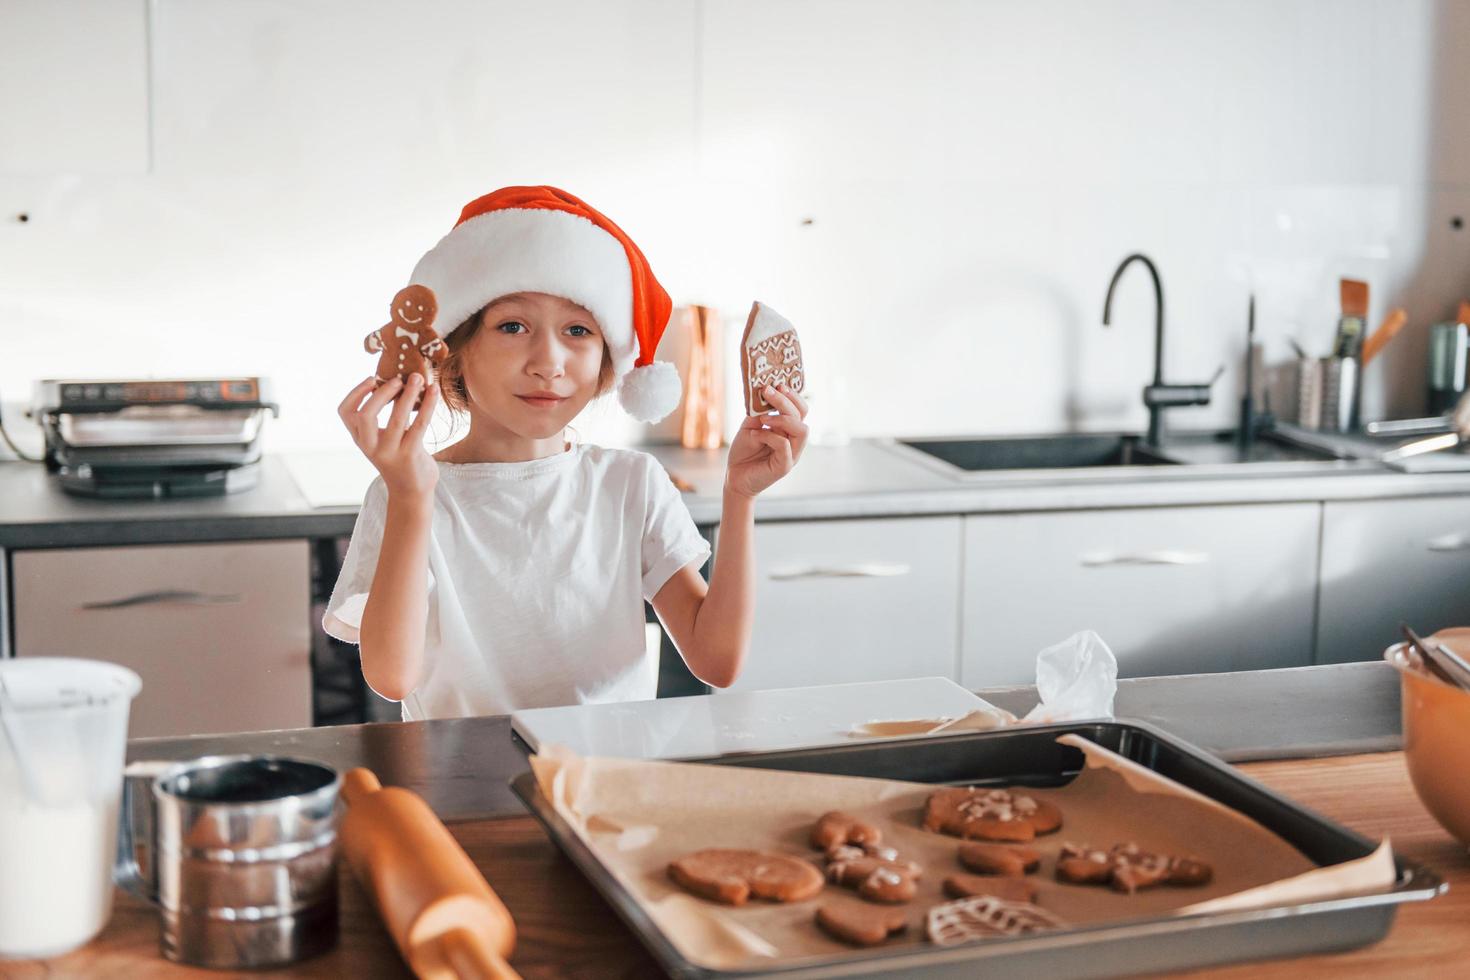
x=509 y=570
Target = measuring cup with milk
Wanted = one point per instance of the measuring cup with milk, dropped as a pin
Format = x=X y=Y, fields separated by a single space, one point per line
x=63 y=734
x=237 y=852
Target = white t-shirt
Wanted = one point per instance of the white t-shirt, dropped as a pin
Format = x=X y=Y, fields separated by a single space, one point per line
x=537 y=575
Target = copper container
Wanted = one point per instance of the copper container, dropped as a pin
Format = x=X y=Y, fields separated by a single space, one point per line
x=703 y=426
x=1437 y=735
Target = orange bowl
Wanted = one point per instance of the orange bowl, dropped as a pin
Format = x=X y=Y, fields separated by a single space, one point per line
x=1437 y=735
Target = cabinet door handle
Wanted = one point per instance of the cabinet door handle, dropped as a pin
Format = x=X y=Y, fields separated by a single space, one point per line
x=179 y=597
x=1108 y=559
x=1457 y=541
x=868 y=569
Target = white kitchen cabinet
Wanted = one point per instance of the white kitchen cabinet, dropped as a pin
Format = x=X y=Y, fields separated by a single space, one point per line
x=74 y=86
x=1390 y=561
x=854 y=600
x=220 y=633
x=1172 y=590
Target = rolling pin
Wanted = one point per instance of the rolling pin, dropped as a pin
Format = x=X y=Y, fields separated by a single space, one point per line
x=441 y=913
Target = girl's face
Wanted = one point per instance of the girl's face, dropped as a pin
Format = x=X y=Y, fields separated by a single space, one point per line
x=533 y=364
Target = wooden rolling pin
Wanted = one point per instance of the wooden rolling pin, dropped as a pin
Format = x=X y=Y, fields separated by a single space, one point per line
x=443 y=916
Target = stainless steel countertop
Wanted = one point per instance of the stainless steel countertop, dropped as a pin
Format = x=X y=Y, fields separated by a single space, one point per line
x=462 y=767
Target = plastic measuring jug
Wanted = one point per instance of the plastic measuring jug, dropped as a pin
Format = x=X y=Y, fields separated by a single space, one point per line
x=63 y=735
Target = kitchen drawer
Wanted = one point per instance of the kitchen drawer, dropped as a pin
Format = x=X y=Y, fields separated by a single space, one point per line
x=860 y=600
x=220 y=633
x=1172 y=590
x=1390 y=561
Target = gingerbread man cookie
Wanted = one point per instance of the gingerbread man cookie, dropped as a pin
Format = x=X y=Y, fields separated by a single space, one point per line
x=990 y=814
x=733 y=876
x=1127 y=868
x=770 y=355
x=875 y=872
x=408 y=343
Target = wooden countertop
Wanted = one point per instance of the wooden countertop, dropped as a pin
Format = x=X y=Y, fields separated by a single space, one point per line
x=565 y=929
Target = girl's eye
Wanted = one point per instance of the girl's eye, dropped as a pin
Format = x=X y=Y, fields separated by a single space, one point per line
x=511 y=326
x=579 y=331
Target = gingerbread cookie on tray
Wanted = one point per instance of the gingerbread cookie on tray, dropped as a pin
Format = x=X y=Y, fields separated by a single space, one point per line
x=1004 y=888
x=999 y=859
x=1127 y=868
x=835 y=828
x=770 y=354
x=986 y=917
x=875 y=872
x=733 y=876
x=861 y=925
x=990 y=814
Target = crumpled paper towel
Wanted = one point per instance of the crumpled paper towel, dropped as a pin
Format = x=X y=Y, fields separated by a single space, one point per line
x=1076 y=679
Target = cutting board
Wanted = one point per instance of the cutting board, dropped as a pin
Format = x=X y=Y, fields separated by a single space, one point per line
x=742 y=721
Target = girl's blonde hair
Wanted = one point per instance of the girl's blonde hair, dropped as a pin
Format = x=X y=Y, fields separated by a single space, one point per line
x=451 y=372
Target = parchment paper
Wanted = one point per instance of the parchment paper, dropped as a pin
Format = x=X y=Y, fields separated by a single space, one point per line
x=639 y=815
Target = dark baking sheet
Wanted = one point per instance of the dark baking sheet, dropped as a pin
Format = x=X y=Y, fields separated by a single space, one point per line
x=1031 y=756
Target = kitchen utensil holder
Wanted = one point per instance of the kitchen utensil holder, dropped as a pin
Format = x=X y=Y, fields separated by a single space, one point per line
x=1339 y=394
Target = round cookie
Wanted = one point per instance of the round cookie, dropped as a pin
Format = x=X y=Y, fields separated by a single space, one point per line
x=732 y=876
x=861 y=925
x=990 y=814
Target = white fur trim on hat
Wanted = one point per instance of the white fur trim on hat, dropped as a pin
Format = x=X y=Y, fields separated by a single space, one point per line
x=534 y=250
x=649 y=393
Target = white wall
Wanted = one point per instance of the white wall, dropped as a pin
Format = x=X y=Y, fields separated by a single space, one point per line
x=971 y=171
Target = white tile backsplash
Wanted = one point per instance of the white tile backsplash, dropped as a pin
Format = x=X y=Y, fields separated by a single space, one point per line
x=971 y=173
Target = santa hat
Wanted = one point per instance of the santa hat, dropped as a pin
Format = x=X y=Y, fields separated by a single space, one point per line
x=544 y=240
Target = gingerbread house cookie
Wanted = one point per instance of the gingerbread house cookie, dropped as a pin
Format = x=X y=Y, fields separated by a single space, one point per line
x=770 y=355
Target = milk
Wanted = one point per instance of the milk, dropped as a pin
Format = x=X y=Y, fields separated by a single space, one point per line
x=63 y=729
x=55 y=872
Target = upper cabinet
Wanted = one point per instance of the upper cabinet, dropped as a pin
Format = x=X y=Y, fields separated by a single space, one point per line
x=74 y=87
x=1386 y=562
x=1172 y=590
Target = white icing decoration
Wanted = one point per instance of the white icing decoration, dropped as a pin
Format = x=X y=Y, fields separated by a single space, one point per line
x=768 y=323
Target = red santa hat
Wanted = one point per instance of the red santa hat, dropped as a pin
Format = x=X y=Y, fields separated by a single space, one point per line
x=544 y=240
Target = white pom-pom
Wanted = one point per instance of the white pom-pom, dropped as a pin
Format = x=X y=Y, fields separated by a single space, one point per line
x=649 y=393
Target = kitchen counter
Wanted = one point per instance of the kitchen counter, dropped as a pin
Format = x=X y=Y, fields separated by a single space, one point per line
x=864 y=478
x=566 y=930
x=462 y=766
x=36 y=513
x=564 y=925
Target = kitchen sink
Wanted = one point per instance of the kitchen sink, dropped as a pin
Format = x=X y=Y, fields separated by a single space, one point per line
x=1056 y=452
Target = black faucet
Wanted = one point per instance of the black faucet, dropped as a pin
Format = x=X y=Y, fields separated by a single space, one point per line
x=1157 y=396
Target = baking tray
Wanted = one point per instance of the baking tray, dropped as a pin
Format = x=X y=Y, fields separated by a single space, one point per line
x=1031 y=756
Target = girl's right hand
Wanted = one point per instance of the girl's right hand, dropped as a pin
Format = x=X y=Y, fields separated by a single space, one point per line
x=396 y=450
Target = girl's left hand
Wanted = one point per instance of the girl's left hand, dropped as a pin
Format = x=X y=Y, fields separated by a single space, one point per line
x=766 y=447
